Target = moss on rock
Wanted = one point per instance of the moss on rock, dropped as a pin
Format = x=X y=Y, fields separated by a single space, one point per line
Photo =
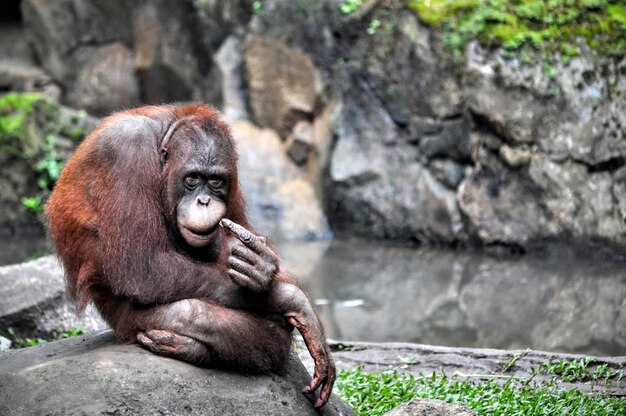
x=553 y=27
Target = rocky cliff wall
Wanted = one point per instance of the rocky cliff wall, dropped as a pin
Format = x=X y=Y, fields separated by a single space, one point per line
x=391 y=137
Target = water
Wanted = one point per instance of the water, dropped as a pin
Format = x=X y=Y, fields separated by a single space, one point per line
x=370 y=292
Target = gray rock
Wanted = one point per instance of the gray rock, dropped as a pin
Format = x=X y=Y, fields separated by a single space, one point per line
x=174 y=54
x=5 y=344
x=578 y=201
x=283 y=84
x=33 y=301
x=94 y=375
x=83 y=46
x=14 y=45
x=577 y=113
x=515 y=157
x=316 y=30
x=282 y=203
x=514 y=113
x=425 y=407
x=300 y=143
x=501 y=205
x=452 y=141
x=229 y=59
x=447 y=171
x=422 y=125
x=405 y=68
x=104 y=79
x=219 y=19
x=377 y=186
x=59 y=29
x=18 y=69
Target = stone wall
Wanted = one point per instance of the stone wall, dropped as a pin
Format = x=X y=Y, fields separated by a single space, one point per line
x=381 y=129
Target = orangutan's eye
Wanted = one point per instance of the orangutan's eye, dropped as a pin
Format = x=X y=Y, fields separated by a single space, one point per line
x=192 y=181
x=216 y=183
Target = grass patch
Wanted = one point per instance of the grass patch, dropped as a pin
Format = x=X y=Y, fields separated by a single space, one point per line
x=549 y=26
x=578 y=370
x=377 y=393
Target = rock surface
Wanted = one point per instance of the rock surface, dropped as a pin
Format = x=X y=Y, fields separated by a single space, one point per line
x=424 y=407
x=93 y=374
x=281 y=202
x=33 y=301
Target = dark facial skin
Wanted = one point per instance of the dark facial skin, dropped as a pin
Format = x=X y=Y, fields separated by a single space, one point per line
x=200 y=177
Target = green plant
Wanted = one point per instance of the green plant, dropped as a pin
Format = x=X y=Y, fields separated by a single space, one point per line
x=578 y=370
x=17 y=139
x=70 y=333
x=377 y=393
x=350 y=6
x=373 y=27
x=24 y=120
x=50 y=166
x=24 y=342
x=515 y=358
x=34 y=204
x=30 y=342
x=257 y=7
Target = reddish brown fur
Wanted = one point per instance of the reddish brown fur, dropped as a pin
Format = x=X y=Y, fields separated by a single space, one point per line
x=109 y=222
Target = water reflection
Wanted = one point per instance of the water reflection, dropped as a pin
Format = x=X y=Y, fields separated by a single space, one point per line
x=369 y=292
x=372 y=293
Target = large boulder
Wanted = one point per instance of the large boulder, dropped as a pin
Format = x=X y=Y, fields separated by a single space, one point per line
x=377 y=185
x=93 y=374
x=33 y=301
x=281 y=202
x=84 y=45
x=555 y=172
x=283 y=83
x=18 y=69
x=174 y=53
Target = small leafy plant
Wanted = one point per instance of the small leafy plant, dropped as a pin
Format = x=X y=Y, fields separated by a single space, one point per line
x=24 y=342
x=31 y=342
x=350 y=6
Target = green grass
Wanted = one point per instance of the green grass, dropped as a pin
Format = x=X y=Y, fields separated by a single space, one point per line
x=578 y=370
x=549 y=26
x=377 y=393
